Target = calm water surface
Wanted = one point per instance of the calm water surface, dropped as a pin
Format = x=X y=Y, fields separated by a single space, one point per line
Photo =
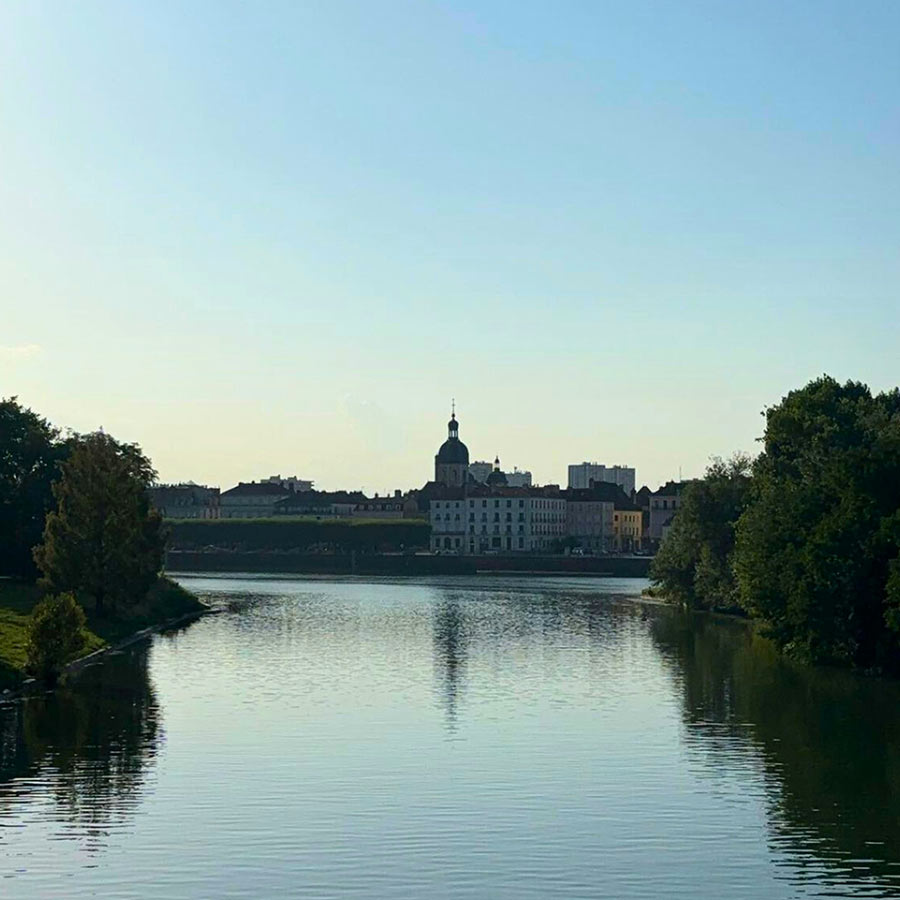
x=458 y=738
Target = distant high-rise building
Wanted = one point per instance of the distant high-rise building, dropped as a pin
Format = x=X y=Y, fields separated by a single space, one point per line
x=582 y=474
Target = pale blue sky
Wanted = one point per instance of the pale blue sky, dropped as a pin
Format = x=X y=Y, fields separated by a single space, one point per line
x=261 y=237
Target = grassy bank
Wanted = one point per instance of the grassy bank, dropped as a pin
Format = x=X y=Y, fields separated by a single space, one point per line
x=165 y=601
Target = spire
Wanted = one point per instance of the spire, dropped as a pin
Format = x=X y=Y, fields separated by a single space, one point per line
x=453 y=425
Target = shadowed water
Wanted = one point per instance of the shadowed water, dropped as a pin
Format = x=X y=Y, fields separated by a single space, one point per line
x=458 y=738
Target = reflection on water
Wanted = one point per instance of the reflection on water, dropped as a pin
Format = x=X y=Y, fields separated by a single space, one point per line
x=468 y=738
x=828 y=741
x=84 y=749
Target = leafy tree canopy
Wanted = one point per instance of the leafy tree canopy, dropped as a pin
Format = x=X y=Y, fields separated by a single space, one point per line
x=103 y=542
x=817 y=548
x=30 y=453
x=694 y=564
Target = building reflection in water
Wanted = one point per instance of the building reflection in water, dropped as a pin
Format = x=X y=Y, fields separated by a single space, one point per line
x=449 y=631
x=829 y=743
x=89 y=746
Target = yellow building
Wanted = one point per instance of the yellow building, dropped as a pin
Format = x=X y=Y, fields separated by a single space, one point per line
x=627 y=527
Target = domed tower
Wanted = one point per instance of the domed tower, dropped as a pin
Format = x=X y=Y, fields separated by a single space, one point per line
x=451 y=464
x=496 y=478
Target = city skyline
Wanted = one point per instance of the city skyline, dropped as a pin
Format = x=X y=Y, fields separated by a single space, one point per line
x=280 y=239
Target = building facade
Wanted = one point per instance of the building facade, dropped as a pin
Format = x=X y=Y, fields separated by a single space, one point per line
x=291 y=483
x=501 y=519
x=582 y=474
x=589 y=518
x=185 y=501
x=664 y=503
x=627 y=526
x=251 y=500
x=481 y=469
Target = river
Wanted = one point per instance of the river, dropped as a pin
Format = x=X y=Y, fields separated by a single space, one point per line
x=490 y=737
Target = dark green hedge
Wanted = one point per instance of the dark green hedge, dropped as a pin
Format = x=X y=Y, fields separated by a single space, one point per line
x=364 y=536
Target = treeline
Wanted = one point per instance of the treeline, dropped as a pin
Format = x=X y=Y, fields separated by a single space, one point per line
x=75 y=517
x=805 y=539
x=304 y=535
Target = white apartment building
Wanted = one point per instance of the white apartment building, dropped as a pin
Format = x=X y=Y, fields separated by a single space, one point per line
x=582 y=474
x=505 y=521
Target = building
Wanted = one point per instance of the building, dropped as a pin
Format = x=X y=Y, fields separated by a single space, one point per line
x=480 y=470
x=471 y=516
x=319 y=504
x=499 y=518
x=388 y=507
x=518 y=479
x=251 y=500
x=664 y=503
x=589 y=516
x=627 y=525
x=291 y=482
x=185 y=501
x=451 y=463
x=582 y=474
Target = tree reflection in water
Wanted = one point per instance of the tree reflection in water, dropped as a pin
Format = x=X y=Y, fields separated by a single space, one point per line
x=89 y=746
x=829 y=742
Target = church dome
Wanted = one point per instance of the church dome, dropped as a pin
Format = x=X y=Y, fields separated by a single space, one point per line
x=453 y=450
x=496 y=478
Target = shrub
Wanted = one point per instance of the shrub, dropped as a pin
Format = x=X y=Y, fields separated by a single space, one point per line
x=55 y=635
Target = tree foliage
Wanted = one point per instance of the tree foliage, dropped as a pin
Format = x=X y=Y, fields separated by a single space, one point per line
x=818 y=548
x=55 y=635
x=103 y=542
x=30 y=453
x=694 y=565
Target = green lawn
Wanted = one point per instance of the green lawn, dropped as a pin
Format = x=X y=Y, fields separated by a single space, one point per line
x=165 y=601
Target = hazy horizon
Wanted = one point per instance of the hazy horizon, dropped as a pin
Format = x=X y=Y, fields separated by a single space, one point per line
x=279 y=239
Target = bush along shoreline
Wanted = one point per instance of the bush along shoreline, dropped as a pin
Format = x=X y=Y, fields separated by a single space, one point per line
x=805 y=539
x=94 y=577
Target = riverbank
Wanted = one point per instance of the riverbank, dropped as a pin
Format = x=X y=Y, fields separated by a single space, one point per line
x=166 y=603
x=420 y=564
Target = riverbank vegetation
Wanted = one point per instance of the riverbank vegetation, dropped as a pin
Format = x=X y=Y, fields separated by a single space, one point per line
x=300 y=534
x=806 y=540
x=94 y=572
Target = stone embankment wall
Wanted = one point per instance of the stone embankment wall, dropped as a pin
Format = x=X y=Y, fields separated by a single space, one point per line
x=399 y=564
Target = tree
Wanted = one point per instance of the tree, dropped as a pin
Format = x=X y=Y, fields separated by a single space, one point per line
x=815 y=546
x=694 y=565
x=103 y=542
x=30 y=453
x=55 y=635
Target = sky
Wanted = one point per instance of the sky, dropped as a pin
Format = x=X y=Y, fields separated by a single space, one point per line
x=263 y=238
